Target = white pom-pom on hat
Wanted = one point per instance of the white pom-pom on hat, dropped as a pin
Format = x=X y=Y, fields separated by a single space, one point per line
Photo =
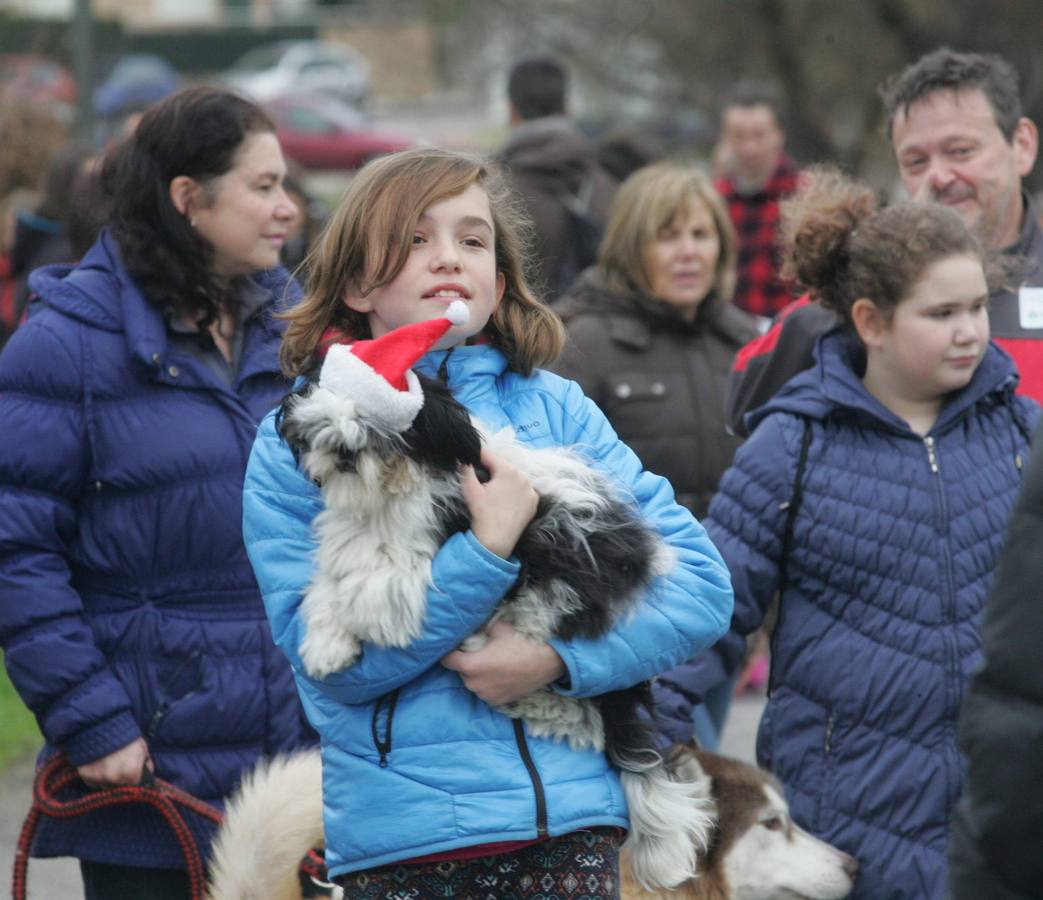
x=458 y=313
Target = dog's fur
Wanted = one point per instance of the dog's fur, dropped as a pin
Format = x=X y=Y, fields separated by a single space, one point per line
x=391 y=501
x=756 y=852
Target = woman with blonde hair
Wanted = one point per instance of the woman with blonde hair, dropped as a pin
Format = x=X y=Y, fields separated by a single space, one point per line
x=652 y=332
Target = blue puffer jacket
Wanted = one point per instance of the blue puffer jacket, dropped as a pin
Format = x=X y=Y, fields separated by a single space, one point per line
x=452 y=772
x=894 y=542
x=127 y=604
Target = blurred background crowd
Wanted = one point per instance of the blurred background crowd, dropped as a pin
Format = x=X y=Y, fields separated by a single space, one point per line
x=349 y=81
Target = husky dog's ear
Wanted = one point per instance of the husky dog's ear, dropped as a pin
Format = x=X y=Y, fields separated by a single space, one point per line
x=682 y=763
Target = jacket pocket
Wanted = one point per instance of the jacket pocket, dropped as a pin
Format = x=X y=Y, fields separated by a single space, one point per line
x=179 y=683
x=381 y=724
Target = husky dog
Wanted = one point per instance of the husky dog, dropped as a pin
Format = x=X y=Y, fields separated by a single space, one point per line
x=756 y=853
x=389 y=479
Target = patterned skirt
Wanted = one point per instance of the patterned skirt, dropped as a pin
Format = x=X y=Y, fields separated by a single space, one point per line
x=583 y=865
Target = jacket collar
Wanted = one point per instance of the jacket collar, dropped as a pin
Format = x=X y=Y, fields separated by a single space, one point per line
x=100 y=292
x=471 y=370
x=633 y=318
x=835 y=383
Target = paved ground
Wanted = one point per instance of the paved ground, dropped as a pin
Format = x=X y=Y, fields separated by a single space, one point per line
x=59 y=879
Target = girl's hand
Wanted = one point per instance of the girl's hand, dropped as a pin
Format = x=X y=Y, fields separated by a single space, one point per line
x=502 y=507
x=508 y=667
x=124 y=767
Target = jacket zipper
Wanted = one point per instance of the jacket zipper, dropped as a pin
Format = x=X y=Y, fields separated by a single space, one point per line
x=953 y=662
x=534 y=775
x=932 y=457
x=383 y=745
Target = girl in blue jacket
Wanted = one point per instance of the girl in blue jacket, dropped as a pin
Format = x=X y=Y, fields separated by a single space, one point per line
x=872 y=497
x=427 y=787
x=130 y=618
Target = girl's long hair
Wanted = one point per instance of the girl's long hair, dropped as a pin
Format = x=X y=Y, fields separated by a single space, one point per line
x=366 y=242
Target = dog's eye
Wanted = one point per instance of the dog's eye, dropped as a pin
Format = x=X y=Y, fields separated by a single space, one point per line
x=773 y=824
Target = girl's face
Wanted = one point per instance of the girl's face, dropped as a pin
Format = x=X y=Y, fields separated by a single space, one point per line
x=248 y=214
x=680 y=263
x=453 y=257
x=938 y=334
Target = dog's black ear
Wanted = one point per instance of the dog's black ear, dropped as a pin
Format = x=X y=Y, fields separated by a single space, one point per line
x=285 y=423
x=442 y=434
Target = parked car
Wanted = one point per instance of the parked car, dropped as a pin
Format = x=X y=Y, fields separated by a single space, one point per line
x=283 y=67
x=28 y=78
x=322 y=133
x=135 y=82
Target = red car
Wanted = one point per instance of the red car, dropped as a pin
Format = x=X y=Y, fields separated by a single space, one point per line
x=26 y=78
x=318 y=132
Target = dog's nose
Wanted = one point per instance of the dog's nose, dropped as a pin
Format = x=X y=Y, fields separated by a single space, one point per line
x=850 y=865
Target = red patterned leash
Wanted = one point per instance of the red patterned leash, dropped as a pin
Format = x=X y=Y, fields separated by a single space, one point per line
x=57 y=774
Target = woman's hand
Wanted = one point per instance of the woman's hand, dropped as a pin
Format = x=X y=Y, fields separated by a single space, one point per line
x=502 y=507
x=508 y=667
x=124 y=767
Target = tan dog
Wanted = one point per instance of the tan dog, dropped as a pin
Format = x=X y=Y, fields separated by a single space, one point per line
x=757 y=853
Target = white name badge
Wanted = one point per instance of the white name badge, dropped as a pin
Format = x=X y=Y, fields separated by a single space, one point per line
x=1030 y=307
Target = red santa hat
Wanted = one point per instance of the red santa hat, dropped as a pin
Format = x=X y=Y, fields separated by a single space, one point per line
x=377 y=374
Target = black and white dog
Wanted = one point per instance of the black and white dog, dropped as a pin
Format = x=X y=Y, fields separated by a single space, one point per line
x=389 y=479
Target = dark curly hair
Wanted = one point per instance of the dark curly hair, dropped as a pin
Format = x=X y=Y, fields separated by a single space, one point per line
x=842 y=246
x=195 y=132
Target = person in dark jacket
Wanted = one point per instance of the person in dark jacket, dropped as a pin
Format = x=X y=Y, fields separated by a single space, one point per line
x=652 y=333
x=130 y=619
x=997 y=831
x=960 y=139
x=872 y=496
x=556 y=172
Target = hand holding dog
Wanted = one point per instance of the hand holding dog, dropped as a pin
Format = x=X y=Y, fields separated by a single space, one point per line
x=508 y=667
x=123 y=767
x=502 y=507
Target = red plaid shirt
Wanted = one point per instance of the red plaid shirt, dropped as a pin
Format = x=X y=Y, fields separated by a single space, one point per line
x=756 y=219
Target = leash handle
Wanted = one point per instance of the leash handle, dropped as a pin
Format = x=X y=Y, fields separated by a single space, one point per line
x=57 y=774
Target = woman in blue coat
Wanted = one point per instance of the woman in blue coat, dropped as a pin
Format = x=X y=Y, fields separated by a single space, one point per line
x=130 y=618
x=872 y=496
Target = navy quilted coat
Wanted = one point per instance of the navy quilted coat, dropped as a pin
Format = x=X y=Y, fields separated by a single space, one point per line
x=894 y=542
x=127 y=604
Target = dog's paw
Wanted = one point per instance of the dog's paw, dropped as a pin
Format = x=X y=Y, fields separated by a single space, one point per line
x=322 y=657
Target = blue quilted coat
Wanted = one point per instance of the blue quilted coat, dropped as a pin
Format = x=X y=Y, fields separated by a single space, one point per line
x=893 y=545
x=413 y=762
x=127 y=604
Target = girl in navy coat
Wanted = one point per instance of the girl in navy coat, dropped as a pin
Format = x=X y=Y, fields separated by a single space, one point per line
x=129 y=615
x=872 y=497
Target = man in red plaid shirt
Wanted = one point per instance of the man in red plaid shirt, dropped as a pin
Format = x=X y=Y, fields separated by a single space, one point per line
x=758 y=175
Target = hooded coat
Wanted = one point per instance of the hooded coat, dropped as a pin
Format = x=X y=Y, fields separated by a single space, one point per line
x=659 y=379
x=554 y=168
x=894 y=538
x=128 y=607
